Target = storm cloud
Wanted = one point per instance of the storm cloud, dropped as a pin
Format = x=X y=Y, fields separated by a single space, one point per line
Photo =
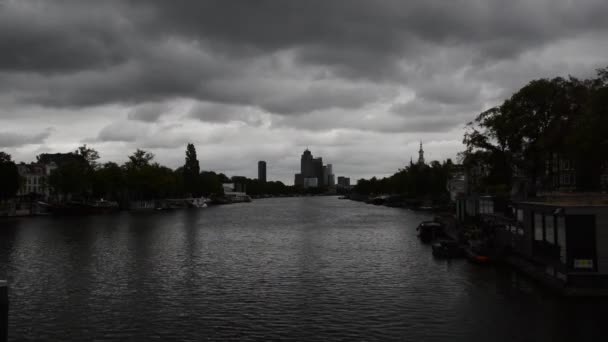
x=157 y=74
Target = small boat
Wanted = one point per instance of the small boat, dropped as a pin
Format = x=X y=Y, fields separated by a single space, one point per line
x=429 y=231
x=478 y=253
x=83 y=208
x=447 y=249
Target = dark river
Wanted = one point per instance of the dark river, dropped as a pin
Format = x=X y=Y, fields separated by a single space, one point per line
x=307 y=269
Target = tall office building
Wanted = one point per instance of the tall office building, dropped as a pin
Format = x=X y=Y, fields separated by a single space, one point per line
x=330 y=180
x=343 y=181
x=317 y=167
x=312 y=172
x=262 y=171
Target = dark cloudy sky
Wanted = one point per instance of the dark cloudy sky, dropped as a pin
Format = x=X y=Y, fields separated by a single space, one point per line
x=359 y=82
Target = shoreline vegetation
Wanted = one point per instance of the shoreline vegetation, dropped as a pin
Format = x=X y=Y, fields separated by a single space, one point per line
x=516 y=145
x=513 y=141
x=75 y=183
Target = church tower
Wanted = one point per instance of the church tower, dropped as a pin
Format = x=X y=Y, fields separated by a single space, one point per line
x=421 y=155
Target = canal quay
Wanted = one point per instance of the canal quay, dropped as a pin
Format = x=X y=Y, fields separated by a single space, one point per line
x=307 y=268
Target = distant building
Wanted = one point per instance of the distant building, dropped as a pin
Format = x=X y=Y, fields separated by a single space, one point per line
x=313 y=168
x=328 y=175
x=317 y=166
x=262 y=171
x=343 y=182
x=298 y=180
x=311 y=182
x=35 y=178
x=420 y=155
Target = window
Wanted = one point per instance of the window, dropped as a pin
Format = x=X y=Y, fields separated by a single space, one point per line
x=538 y=227
x=486 y=206
x=549 y=229
x=520 y=215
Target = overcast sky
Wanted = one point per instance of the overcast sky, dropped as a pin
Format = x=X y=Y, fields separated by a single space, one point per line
x=358 y=82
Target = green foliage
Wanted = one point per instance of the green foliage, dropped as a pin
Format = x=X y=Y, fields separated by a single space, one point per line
x=191 y=172
x=109 y=182
x=414 y=181
x=211 y=183
x=72 y=177
x=9 y=177
x=89 y=154
x=564 y=116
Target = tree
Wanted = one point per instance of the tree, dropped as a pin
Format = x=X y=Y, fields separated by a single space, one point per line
x=89 y=154
x=73 y=177
x=9 y=177
x=139 y=175
x=211 y=183
x=191 y=172
x=109 y=181
x=547 y=117
x=139 y=159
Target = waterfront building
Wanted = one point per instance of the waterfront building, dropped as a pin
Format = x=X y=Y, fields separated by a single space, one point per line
x=35 y=179
x=561 y=240
x=565 y=237
x=262 y=171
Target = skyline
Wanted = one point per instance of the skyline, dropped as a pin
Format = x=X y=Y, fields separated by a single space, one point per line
x=273 y=77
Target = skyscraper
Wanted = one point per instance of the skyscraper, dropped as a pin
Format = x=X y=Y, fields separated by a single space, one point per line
x=331 y=179
x=311 y=172
x=262 y=171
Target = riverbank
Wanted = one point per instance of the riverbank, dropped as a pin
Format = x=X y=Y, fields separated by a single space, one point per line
x=400 y=201
x=305 y=268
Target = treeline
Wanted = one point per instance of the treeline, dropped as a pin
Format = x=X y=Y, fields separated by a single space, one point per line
x=563 y=117
x=567 y=117
x=79 y=176
x=420 y=181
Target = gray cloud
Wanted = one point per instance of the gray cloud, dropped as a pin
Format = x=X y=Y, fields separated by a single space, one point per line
x=221 y=113
x=11 y=139
x=123 y=131
x=274 y=76
x=148 y=112
x=92 y=53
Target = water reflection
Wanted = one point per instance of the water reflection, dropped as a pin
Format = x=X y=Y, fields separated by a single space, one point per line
x=302 y=268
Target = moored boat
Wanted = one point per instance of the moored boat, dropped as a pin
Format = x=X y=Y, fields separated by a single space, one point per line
x=83 y=207
x=447 y=249
x=477 y=252
x=429 y=231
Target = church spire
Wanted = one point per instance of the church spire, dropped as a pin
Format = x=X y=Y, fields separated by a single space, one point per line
x=421 y=155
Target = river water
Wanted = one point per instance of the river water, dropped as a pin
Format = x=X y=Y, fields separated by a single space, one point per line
x=306 y=269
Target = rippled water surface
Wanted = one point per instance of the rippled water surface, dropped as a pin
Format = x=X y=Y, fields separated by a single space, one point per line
x=298 y=268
